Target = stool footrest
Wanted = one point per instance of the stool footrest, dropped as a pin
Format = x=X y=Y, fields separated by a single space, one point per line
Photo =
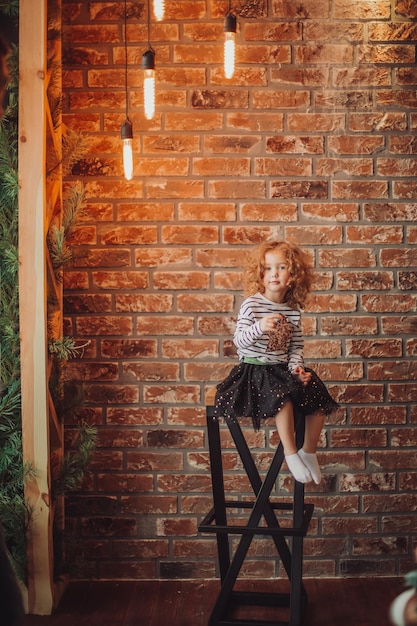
x=207 y=526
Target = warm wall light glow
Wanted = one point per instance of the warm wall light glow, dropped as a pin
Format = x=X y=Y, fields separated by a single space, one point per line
x=159 y=9
x=127 y=141
x=229 y=45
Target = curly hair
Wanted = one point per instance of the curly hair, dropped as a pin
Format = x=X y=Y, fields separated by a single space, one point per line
x=300 y=272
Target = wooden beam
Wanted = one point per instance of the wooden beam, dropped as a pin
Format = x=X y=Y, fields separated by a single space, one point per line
x=32 y=288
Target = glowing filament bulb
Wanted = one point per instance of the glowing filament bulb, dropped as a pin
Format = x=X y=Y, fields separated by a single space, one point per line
x=229 y=45
x=229 y=55
x=159 y=9
x=149 y=94
x=127 y=141
x=148 y=65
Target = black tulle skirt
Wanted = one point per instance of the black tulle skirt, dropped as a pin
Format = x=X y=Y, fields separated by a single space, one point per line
x=260 y=391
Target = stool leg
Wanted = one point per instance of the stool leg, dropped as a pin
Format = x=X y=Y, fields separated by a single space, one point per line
x=219 y=501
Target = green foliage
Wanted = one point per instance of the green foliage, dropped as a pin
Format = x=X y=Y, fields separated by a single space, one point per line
x=73 y=464
x=72 y=209
x=11 y=8
x=15 y=513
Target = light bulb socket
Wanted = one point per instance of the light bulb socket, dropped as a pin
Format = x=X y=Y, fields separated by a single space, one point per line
x=230 y=23
x=148 y=60
x=126 y=131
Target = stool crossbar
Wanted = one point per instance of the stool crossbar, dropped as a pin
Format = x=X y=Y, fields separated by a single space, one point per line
x=216 y=521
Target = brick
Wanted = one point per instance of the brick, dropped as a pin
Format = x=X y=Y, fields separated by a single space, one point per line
x=349 y=525
x=374 y=348
x=335 y=212
x=255 y=121
x=180 y=280
x=107 y=526
x=219 y=257
x=366 y=11
x=282 y=167
x=203 y=303
x=324 y=303
x=351 y=167
x=159 y=394
x=374 y=438
x=361 y=281
x=397 y=99
x=219 y=166
x=267 y=212
x=301 y=76
x=360 y=189
x=388 y=545
x=219 y=98
x=280 y=99
x=152 y=371
x=381 y=53
x=129 y=235
x=352 y=99
x=123 y=416
x=375 y=212
x=206 y=212
x=128 y=348
x=143 y=303
x=237 y=189
x=147 y=548
x=156 y=326
x=387 y=121
x=299 y=189
x=120 y=280
x=349 y=257
x=315 y=235
x=316 y=122
x=87 y=303
x=186 y=416
x=104 y=325
x=388 y=303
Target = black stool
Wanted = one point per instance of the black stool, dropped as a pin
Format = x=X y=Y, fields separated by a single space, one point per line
x=216 y=522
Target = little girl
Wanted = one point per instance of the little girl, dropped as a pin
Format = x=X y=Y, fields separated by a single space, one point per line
x=271 y=380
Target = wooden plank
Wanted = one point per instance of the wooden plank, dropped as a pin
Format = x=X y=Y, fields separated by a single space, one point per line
x=32 y=280
x=345 y=602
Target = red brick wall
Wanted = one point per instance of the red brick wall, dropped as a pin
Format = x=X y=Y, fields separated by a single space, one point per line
x=313 y=141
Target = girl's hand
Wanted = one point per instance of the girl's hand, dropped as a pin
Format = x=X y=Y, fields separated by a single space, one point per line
x=302 y=375
x=269 y=322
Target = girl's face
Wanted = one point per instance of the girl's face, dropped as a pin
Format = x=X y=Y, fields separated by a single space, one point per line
x=276 y=278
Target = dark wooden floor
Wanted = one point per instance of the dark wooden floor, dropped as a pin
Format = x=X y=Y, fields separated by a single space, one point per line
x=331 y=602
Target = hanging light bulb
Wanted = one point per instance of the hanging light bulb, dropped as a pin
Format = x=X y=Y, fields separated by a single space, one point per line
x=159 y=9
x=126 y=131
x=127 y=139
x=229 y=44
x=148 y=65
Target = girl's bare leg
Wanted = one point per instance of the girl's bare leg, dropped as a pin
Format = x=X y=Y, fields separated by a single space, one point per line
x=314 y=425
x=284 y=420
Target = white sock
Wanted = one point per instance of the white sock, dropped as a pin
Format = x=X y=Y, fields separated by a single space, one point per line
x=310 y=460
x=298 y=469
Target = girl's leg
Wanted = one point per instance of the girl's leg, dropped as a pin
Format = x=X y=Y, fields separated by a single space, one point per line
x=314 y=425
x=284 y=420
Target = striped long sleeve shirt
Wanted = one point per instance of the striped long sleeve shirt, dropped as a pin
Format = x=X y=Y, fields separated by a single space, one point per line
x=251 y=342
